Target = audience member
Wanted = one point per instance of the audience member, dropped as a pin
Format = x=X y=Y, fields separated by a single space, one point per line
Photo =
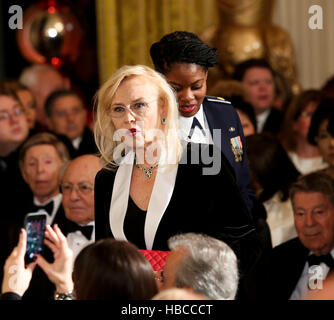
x=78 y=201
x=67 y=115
x=105 y=270
x=321 y=132
x=203 y=265
x=42 y=80
x=299 y=266
x=13 y=132
x=41 y=160
x=184 y=60
x=272 y=174
x=233 y=91
x=149 y=184
x=27 y=100
x=257 y=77
x=294 y=131
x=13 y=190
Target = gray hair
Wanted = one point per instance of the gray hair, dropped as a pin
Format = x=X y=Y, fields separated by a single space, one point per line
x=209 y=266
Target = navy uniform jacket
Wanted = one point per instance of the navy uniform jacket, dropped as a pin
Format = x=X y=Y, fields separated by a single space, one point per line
x=220 y=114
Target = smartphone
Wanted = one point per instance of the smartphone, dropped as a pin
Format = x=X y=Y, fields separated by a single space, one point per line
x=35 y=226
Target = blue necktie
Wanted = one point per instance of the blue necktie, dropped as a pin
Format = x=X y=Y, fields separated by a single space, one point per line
x=193 y=126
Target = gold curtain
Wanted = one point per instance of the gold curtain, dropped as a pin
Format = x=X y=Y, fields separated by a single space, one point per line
x=127 y=28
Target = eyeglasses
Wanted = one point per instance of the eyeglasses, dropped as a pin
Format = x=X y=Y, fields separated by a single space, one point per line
x=4 y=115
x=137 y=108
x=82 y=188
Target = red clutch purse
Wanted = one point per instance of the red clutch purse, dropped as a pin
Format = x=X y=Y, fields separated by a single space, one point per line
x=156 y=258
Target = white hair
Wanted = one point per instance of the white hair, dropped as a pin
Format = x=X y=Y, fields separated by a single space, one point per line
x=209 y=266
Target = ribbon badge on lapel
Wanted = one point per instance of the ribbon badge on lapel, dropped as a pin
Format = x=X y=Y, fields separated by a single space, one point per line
x=237 y=148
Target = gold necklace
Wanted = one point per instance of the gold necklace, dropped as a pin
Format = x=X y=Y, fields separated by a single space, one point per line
x=148 y=171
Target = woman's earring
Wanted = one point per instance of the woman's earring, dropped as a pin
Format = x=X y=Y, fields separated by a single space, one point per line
x=163 y=120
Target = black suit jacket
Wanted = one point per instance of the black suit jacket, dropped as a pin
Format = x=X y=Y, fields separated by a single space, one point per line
x=280 y=272
x=210 y=204
x=273 y=122
x=221 y=115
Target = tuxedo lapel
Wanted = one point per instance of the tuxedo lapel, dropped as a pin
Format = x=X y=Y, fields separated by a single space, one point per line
x=120 y=196
x=160 y=198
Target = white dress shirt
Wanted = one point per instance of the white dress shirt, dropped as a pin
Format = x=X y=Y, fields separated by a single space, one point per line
x=307 y=165
x=302 y=289
x=261 y=119
x=77 y=241
x=198 y=136
x=76 y=142
x=56 y=204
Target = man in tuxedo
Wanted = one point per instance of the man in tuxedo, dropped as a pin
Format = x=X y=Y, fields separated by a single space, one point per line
x=67 y=116
x=41 y=159
x=202 y=265
x=257 y=77
x=300 y=265
x=78 y=201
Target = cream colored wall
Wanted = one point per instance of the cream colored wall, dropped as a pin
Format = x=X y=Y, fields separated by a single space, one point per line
x=314 y=49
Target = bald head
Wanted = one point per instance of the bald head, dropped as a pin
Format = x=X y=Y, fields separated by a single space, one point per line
x=78 y=188
x=42 y=80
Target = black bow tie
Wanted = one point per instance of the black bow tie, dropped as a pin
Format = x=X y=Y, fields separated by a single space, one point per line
x=195 y=124
x=48 y=208
x=314 y=260
x=85 y=230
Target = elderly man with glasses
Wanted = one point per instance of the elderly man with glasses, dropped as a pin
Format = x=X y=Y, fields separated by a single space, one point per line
x=77 y=187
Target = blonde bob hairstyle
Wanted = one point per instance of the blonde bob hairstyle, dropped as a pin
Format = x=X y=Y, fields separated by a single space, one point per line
x=104 y=129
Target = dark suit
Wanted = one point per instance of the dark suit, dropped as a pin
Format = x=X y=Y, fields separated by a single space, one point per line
x=86 y=146
x=41 y=288
x=273 y=121
x=280 y=272
x=210 y=204
x=221 y=115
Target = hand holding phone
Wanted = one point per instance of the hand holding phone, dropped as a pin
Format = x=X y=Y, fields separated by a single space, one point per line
x=17 y=276
x=35 y=228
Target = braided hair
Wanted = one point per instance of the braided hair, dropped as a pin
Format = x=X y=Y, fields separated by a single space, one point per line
x=182 y=47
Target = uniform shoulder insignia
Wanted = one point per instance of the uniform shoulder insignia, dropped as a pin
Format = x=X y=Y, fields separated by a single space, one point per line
x=217 y=99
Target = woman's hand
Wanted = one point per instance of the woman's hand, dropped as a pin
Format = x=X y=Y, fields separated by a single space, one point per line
x=17 y=276
x=60 y=271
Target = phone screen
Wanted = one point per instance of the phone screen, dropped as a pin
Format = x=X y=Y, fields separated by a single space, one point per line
x=35 y=227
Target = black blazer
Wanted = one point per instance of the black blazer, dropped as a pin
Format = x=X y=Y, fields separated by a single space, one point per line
x=280 y=272
x=210 y=204
x=221 y=115
x=273 y=122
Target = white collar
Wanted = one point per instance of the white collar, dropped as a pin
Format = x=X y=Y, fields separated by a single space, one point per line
x=160 y=197
x=261 y=119
x=76 y=142
x=197 y=137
